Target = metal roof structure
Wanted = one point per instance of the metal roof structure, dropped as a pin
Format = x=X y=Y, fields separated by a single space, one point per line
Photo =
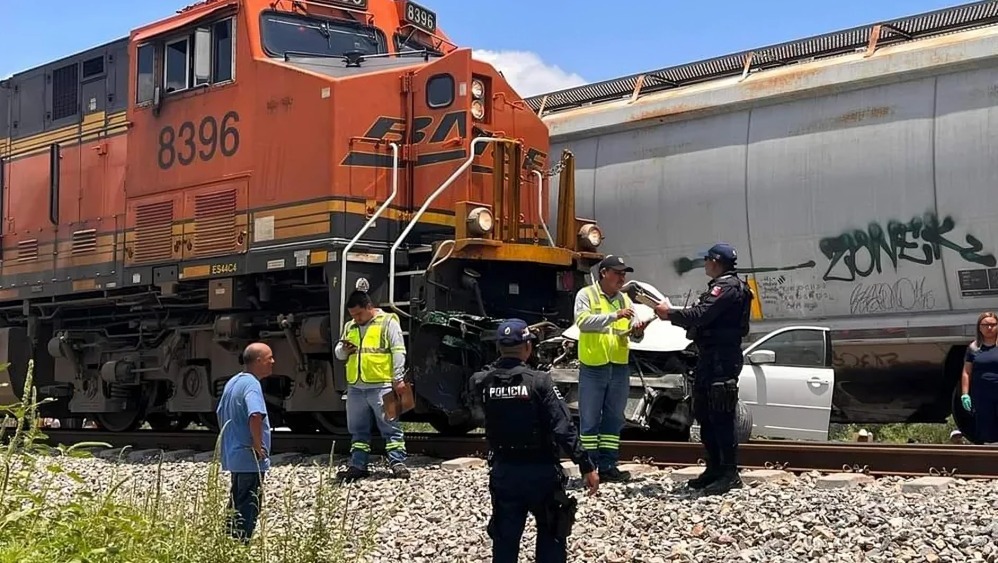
x=862 y=38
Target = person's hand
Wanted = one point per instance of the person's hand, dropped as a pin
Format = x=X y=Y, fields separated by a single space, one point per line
x=662 y=310
x=260 y=452
x=638 y=328
x=348 y=347
x=625 y=313
x=965 y=400
x=592 y=482
x=399 y=386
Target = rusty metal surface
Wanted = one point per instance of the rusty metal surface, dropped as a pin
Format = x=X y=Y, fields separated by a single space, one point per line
x=847 y=41
x=874 y=459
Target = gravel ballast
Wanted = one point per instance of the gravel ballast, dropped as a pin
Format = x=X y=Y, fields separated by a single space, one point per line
x=440 y=515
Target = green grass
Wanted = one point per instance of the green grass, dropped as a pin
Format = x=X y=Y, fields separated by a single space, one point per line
x=896 y=433
x=44 y=520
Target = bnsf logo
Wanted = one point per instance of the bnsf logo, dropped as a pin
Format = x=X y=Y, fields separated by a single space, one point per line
x=429 y=130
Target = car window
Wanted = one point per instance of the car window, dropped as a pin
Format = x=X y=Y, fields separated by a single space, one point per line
x=798 y=348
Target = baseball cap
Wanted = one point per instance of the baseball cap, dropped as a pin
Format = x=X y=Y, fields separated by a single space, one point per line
x=721 y=251
x=615 y=263
x=514 y=331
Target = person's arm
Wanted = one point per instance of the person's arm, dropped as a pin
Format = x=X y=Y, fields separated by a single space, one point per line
x=591 y=322
x=397 y=345
x=712 y=304
x=555 y=413
x=257 y=409
x=342 y=350
x=559 y=421
x=968 y=366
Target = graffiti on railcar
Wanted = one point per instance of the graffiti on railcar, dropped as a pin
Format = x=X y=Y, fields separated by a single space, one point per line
x=903 y=294
x=860 y=253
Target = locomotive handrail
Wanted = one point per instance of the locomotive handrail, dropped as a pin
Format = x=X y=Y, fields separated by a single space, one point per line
x=540 y=205
x=422 y=210
x=353 y=241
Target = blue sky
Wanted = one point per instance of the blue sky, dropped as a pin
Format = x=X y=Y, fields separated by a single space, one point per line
x=539 y=45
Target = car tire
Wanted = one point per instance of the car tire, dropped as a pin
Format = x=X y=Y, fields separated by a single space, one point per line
x=743 y=423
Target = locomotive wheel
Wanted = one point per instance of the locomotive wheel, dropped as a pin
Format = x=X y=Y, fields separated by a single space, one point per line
x=126 y=421
x=331 y=422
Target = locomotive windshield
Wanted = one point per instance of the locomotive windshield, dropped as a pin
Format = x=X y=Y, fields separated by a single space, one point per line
x=323 y=38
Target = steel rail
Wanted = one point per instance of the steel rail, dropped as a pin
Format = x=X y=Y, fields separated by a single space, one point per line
x=871 y=458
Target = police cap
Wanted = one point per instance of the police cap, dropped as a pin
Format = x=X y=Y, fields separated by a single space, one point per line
x=514 y=331
x=722 y=252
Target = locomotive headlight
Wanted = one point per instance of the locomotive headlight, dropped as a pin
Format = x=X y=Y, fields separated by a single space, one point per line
x=477 y=109
x=477 y=89
x=591 y=235
x=480 y=221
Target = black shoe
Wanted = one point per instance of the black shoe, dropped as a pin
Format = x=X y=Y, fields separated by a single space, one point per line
x=708 y=476
x=614 y=475
x=400 y=471
x=352 y=474
x=725 y=482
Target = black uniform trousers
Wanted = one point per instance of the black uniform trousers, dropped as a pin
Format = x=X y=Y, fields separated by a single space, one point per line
x=519 y=488
x=717 y=427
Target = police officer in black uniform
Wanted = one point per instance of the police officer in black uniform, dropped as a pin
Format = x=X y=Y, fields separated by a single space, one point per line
x=525 y=422
x=716 y=323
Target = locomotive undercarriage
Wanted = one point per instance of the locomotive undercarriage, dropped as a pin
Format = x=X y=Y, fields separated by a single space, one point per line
x=163 y=355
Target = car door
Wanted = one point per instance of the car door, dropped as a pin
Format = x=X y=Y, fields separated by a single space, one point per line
x=787 y=383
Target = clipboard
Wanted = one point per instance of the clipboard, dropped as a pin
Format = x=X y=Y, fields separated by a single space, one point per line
x=395 y=405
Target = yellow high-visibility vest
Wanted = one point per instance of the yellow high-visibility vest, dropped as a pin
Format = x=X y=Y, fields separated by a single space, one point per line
x=372 y=362
x=609 y=345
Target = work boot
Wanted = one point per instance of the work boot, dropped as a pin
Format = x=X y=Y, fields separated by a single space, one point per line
x=614 y=475
x=726 y=481
x=352 y=474
x=708 y=476
x=400 y=471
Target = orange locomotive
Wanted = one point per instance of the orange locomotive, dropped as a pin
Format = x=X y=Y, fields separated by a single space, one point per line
x=232 y=172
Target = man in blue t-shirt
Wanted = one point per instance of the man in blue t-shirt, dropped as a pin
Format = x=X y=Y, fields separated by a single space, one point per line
x=242 y=417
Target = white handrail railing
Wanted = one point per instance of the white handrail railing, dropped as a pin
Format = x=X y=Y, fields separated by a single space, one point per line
x=353 y=241
x=422 y=210
x=540 y=205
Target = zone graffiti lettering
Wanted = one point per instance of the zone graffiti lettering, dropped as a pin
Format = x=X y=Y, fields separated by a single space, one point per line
x=858 y=254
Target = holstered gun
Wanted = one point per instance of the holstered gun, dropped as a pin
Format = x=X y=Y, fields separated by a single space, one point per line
x=560 y=512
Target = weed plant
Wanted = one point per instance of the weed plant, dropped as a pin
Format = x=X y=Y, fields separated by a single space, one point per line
x=50 y=513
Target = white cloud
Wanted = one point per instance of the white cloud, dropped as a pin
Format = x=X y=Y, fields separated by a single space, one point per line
x=527 y=73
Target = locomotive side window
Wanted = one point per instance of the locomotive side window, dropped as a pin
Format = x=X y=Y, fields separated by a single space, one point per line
x=315 y=37
x=146 y=70
x=175 y=71
x=440 y=91
x=224 y=67
x=200 y=57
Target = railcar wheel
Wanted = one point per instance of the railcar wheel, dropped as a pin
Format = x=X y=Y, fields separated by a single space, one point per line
x=331 y=422
x=301 y=423
x=209 y=420
x=442 y=426
x=168 y=423
x=126 y=421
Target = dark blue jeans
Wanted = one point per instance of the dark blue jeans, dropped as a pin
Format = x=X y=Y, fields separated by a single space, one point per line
x=245 y=500
x=603 y=392
x=518 y=489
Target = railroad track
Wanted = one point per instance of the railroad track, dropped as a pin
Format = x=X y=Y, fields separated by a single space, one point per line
x=965 y=461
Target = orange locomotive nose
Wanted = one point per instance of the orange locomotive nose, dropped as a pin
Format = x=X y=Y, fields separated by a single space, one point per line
x=235 y=170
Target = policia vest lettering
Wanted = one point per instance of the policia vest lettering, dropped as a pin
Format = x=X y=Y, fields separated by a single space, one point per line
x=372 y=362
x=610 y=344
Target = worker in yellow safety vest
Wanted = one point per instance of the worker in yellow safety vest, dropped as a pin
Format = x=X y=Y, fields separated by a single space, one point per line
x=606 y=321
x=373 y=348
